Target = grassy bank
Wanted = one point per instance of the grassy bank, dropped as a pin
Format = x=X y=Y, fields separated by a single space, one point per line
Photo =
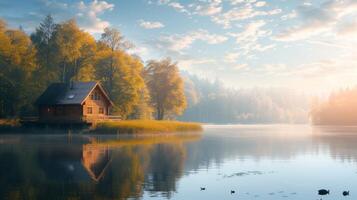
x=145 y=126
x=9 y=124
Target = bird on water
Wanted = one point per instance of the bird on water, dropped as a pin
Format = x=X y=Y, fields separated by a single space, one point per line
x=232 y=191
x=346 y=193
x=323 y=192
x=203 y=188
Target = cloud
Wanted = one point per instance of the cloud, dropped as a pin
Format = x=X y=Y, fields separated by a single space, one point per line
x=173 y=4
x=325 y=68
x=150 y=25
x=160 y=2
x=178 y=7
x=232 y=57
x=236 y=2
x=251 y=32
x=260 y=3
x=191 y=63
x=240 y=66
x=275 y=67
x=177 y=43
x=88 y=15
x=240 y=13
x=348 y=29
x=139 y=51
x=318 y=20
x=248 y=38
x=204 y=8
x=317 y=69
x=329 y=43
x=290 y=15
x=212 y=8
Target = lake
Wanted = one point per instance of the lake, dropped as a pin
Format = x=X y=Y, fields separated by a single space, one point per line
x=267 y=162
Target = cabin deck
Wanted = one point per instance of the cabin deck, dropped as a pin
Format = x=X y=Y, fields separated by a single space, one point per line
x=85 y=120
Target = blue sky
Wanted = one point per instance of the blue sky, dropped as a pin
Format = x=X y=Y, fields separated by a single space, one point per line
x=307 y=45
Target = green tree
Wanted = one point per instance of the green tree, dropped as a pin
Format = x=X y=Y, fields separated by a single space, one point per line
x=44 y=40
x=166 y=88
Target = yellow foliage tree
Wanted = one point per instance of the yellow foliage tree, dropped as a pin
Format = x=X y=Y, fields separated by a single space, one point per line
x=119 y=72
x=17 y=63
x=76 y=51
x=166 y=88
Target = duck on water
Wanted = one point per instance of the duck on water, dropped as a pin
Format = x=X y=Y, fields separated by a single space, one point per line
x=324 y=192
x=346 y=193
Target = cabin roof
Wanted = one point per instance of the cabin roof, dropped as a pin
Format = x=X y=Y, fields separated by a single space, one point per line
x=64 y=94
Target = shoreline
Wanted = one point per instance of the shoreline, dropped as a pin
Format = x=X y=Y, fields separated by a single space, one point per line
x=110 y=128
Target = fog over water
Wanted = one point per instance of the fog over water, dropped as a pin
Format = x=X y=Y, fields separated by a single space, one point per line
x=257 y=161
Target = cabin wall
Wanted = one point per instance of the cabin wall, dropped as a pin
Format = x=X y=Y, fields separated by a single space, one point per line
x=94 y=105
x=61 y=113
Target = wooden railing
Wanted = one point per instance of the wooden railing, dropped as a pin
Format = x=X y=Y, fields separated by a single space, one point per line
x=104 y=118
x=84 y=119
x=29 y=119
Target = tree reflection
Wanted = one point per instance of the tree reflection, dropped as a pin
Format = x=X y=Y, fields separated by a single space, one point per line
x=98 y=169
x=123 y=168
x=165 y=168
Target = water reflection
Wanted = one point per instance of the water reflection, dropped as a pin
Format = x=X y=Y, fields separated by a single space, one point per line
x=111 y=167
x=40 y=167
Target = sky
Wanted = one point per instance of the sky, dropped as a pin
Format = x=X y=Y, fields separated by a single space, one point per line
x=307 y=45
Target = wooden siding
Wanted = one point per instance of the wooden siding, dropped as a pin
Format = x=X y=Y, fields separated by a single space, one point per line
x=96 y=104
x=61 y=113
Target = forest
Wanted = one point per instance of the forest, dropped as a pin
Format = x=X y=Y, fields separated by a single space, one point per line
x=339 y=109
x=62 y=52
x=212 y=102
x=156 y=89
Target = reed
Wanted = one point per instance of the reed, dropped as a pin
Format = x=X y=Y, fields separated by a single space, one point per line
x=145 y=126
x=9 y=122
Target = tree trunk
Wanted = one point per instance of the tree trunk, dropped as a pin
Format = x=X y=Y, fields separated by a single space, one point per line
x=64 y=72
x=76 y=69
x=111 y=77
x=160 y=113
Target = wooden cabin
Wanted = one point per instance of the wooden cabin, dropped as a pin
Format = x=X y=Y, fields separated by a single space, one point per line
x=77 y=102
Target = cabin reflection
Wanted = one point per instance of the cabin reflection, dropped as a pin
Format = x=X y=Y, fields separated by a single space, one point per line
x=96 y=159
x=126 y=168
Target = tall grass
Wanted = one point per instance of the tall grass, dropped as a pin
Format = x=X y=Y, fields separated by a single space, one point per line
x=9 y=122
x=145 y=126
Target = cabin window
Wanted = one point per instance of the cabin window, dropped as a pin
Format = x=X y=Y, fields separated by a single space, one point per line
x=89 y=110
x=96 y=96
x=101 y=110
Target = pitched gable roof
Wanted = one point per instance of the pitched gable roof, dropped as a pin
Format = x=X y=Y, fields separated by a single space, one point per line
x=62 y=94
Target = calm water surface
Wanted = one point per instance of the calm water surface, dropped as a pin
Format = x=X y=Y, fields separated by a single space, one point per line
x=258 y=162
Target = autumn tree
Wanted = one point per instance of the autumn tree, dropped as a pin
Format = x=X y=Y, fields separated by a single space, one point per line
x=166 y=88
x=76 y=51
x=119 y=72
x=17 y=63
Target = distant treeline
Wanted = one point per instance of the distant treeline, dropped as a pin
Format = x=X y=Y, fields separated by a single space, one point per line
x=211 y=102
x=62 y=52
x=339 y=109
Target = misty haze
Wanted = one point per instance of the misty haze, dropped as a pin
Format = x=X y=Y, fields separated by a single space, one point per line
x=178 y=99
